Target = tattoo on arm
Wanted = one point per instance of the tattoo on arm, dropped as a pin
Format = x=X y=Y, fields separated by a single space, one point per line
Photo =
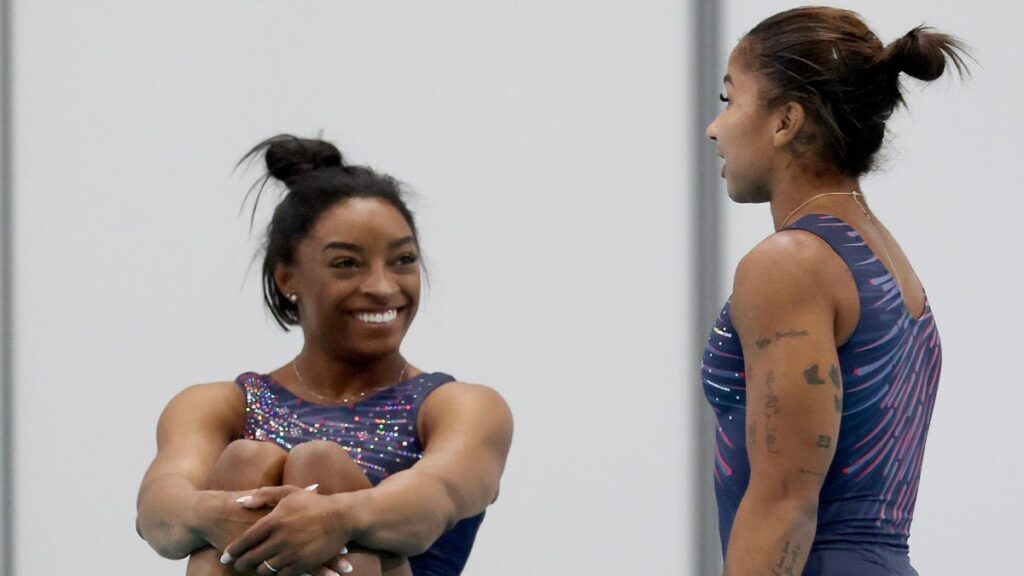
x=839 y=404
x=824 y=442
x=786 y=566
x=812 y=377
x=836 y=377
x=765 y=342
x=772 y=408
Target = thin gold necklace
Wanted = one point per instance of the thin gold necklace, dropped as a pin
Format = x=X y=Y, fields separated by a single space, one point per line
x=295 y=368
x=854 y=194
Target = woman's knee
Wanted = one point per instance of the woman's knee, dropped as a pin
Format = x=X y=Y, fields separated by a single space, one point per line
x=325 y=463
x=248 y=464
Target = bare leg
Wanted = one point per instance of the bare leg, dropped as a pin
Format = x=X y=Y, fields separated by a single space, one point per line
x=329 y=465
x=244 y=465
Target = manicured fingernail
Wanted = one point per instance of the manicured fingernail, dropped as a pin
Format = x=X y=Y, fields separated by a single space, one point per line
x=329 y=572
x=311 y=488
x=226 y=558
x=345 y=566
x=344 y=550
x=244 y=499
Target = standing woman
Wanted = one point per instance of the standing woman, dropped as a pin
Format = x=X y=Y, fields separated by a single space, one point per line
x=361 y=459
x=822 y=368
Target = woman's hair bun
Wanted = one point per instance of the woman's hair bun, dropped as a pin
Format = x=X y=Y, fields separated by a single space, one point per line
x=922 y=53
x=289 y=157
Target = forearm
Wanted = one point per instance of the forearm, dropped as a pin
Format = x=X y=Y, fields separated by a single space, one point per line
x=771 y=536
x=166 y=517
x=405 y=514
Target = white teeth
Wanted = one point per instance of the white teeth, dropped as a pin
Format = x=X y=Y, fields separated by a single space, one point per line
x=377 y=317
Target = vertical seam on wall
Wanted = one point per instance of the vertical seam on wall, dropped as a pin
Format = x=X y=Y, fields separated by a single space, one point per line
x=706 y=240
x=6 y=301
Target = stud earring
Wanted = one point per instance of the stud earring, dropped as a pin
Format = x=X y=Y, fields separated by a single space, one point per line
x=293 y=298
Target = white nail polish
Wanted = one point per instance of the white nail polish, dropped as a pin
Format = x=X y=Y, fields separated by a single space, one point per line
x=244 y=499
x=344 y=550
x=311 y=488
x=226 y=558
x=345 y=567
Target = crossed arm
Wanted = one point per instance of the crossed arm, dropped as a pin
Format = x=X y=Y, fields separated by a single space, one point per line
x=466 y=432
x=784 y=309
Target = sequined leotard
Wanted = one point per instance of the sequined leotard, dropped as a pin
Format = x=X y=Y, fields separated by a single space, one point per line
x=380 y=434
x=890 y=368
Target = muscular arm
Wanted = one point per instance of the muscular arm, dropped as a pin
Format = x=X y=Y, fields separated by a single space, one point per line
x=193 y=430
x=784 y=310
x=467 y=431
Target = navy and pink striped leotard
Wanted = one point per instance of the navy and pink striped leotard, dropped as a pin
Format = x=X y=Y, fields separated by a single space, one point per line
x=379 y=433
x=890 y=368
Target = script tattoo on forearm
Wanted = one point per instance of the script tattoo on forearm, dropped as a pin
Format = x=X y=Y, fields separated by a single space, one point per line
x=772 y=408
x=786 y=566
x=767 y=341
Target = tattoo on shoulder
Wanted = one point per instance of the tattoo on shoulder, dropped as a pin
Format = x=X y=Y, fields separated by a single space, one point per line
x=812 y=375
x=786 y=566
x=767 y=341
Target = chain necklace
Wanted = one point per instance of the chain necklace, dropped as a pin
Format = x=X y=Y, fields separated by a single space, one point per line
x=885 y=249
x=295 y=368
x=854 y=194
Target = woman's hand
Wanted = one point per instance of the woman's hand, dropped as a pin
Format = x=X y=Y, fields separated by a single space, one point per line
x=304 y=533
x=220 y=519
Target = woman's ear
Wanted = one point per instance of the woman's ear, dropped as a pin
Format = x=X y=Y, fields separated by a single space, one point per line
x=285 y=280
x=789 y=121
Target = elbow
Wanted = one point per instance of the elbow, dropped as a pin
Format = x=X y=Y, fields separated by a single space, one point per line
x=163 y=540
x=419 y=541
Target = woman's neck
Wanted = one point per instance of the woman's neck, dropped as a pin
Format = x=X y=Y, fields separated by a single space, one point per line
x=334 y=377
x=800 y=192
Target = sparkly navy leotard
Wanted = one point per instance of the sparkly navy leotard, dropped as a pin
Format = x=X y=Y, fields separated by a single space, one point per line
x=890 y=368
x=379 y=433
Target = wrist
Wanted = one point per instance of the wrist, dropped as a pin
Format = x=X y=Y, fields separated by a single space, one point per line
x=352 y=510
x=201 y=508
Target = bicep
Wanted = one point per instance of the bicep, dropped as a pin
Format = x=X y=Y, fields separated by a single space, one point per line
x=466 y=433
x=194 y=429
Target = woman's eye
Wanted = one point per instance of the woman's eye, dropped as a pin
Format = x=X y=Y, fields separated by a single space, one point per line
x=345 y=263
x=408 y=259
x=723 y=98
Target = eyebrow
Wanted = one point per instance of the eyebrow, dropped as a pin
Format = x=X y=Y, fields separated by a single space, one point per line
x=359 y=249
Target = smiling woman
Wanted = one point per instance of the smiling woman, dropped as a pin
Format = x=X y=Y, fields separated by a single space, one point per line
x=398 y=464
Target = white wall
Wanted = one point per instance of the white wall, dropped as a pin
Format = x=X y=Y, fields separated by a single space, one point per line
x=950 y=194
x=547 y=142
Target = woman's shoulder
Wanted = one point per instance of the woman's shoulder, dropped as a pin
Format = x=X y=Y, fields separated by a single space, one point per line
x=462 y=410
x=209 y=396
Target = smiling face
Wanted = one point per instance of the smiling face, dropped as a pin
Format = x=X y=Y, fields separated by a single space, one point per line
x=745 y=134
x=357 y=278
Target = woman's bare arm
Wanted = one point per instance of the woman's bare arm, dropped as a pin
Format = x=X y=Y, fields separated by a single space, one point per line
x=173 y=510
x=784 y=310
